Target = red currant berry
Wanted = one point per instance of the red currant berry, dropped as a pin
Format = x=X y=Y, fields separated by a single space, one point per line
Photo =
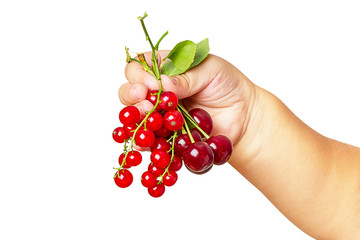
x=134 y=158
x=129 y=130
x=157 y=191
x=129 y=115
x=154 y=122
x=170 y=178
x=163 y=132
x=119 y=135
x=121 y=160
x=173 y=120
x=221 y=147
x=183 y=141
x=148 y=179
x=123 y=178
x=202 y=118
x=168 y=101
x=152 y=97
x=144 y=138
x=176 y=163
x=160 y=158
x=155 y=170
x=198 y=157
x=160 y=144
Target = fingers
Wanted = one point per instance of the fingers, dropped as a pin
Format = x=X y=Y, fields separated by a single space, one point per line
x=130 y=94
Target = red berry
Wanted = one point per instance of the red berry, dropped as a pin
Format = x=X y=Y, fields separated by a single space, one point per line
x=129 y=129
x=148 y=179
x=160 y=158
x=168 y=101
x=121 y=160
x=157 y=191
x=134 y=158
x=173 y=120
x=160 y=144
x=144 y=138
x=152 y=97
x=176 y=163
x=202 y=118
x=119 y=135
x=221 y=147
x=155 y=170
x=129 y=115
x=183 y=141
x=198 y=157
x=154 y=122
x=170 y=178
x=163 y=132
x=199 y=173
x=123 y=178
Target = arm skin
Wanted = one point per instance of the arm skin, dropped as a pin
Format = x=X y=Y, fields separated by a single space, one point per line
x=313 y=180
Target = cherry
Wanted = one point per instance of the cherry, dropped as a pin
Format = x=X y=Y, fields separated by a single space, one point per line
x=119 y=135
x=163 y=132
x=168 y=101
x=199 y=173
x=152 y=97
x=148 y=179
x=121 y=159
x=123 y=178
x=183 y=141
x=202 y=118
x=170 y=178
x=198 y=157
x=176 y=163
x=157 y=191
x=160 y=158
x=144 y=138
x=173 y=120
x=129 y=115
x=221 y=147
x=133 y=158
x=161 y=144
x=154 y=122
x=155 y=170
x=129 y=129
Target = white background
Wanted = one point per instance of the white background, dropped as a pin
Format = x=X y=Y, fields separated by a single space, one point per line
x=61 y=64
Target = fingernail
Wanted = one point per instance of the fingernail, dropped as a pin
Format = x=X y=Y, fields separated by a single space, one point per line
x=133 y=93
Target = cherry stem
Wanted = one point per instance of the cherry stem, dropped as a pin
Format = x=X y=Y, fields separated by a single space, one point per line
x=189 y=132
x=188 y=116
x=172 y=149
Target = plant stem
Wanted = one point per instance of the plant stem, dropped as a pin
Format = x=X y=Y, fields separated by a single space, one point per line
x=171 y=159
x=188 y=116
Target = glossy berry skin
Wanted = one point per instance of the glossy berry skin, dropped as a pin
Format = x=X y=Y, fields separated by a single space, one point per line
x=221 y=147
x=176 y=163
x=160 y=158
x=119 y=135
x=183 y=141
x=160 y=144
x=133 y=158
x=203 y=172
x=170 y=178
x=153 y=98
x=129 y=129
x=155 y=170
x=173 y=120
x=198 y=157
x=148 y=179
x=144 y=138
x=163 y=132
x=154 y=122
x=129 y=115
x=157 y=191
x=121 y=159
x=124 y=179
x=202 y=118
x=168 y=101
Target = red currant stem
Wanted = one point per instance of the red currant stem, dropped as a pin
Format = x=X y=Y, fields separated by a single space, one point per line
x=183 y=131
x=145 y=66
x=188 y=116
x=172 y=149
x=188 y=132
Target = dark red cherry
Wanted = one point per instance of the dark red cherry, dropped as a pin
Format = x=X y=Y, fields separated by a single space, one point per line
x=129 y=115
x=170 y=178
x=173 y=120
x=176 y=163
x=168 y=101
x=144 y=138
x=199 y=173
x=198 y=157
x=157 y=191
x=152 y=97
x=163 y=132
x=148 y=179
x=134 y=158
x=202 y=118
x=119 y=135
x=123 y=178
x=221 y=147
x=155 y=170
x=183 y=141
x=121 y=160
x=160 y=144
x=160 y=158
x=154 y=122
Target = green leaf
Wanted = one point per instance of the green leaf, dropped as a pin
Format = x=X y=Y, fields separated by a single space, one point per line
x=182 y=55
x=202 y=50
x=170 y=69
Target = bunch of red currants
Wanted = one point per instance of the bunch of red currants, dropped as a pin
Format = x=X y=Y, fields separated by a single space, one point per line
x=174 y=136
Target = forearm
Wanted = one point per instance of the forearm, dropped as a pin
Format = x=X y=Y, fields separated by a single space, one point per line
x=313 y=180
